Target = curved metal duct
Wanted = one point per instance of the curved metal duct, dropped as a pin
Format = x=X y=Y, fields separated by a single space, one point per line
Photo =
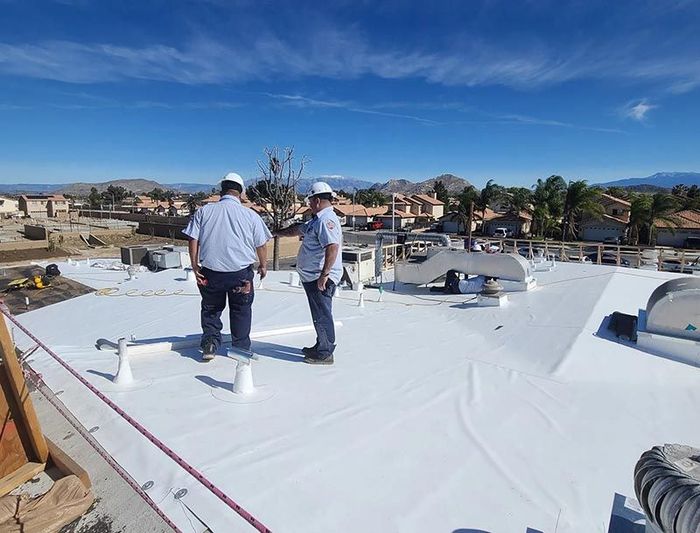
x=667 y=485
x=674 y=309
x=439 y=238
x=511 y=267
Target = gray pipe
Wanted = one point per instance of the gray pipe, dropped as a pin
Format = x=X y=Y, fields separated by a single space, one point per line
x=439 y=238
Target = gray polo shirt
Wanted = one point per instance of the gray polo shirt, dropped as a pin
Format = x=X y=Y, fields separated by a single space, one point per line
x=228 y=234
x=323 y=229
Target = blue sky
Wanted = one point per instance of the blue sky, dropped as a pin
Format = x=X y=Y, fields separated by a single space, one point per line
x=185 y=90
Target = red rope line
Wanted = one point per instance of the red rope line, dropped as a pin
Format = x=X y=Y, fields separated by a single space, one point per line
x=39 y=383
x=152 y=438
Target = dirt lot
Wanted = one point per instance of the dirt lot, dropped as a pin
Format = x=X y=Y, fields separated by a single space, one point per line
x=77 y=249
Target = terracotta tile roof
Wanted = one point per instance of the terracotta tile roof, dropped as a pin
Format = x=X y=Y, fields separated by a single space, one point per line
x=615 y=199
x=398 y=214
x=405 y=199
x=351 y=209
x=511 y=216
x=43 y=197
x=427 y=199
x=489 y=214
x=688 y=219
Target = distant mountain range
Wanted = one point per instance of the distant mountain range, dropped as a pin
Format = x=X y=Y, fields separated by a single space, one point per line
x=454 y=184
x=660 y=180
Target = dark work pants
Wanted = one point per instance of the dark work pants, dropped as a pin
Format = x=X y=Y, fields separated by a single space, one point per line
x=219 y=287
x=321 y=305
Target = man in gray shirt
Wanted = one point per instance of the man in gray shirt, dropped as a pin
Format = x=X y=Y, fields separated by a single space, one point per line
x=320 y=268
x=226 y=239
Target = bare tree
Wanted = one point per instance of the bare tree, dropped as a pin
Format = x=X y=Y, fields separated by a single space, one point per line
x=275 y=191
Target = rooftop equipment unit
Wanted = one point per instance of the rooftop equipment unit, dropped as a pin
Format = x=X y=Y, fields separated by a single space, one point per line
x=359 y=264
x=162 y=259
x=133 y=255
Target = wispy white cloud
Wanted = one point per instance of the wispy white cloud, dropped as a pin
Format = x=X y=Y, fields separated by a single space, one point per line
x=334 y=54
x=93 y=102
x=637 y=110
x=13 y=107
x=303 y=101
x=483 y=117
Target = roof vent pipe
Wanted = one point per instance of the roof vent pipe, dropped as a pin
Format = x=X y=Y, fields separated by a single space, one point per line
x=667 y=485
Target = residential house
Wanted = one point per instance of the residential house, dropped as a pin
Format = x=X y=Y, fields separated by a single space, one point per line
x=357 y=215
x=399 y=219
x=42 y=206
x=686 y=226
x=517 y=224
x=430 y=205
x=8 y=207
x=451 y=222
x=404 y=203
x=613 y=223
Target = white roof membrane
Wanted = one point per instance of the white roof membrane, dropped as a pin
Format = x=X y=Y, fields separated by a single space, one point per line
x=437 y=415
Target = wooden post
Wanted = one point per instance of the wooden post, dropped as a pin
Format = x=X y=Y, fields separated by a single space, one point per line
x=683 y=261
x=580 y=252
x=13 y=371
x=618 y=255
x=599 y=254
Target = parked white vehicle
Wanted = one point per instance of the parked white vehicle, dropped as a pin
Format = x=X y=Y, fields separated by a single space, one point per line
x=502 y=233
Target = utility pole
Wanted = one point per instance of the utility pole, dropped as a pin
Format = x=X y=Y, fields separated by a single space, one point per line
x=393 y=211
x=471 y=217
x=354 y=190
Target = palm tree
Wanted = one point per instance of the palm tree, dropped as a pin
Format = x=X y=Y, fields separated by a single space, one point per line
x=581 y=201
x=547 y=204
x=465 y=202
x=639 y=214
x=661 y=209
x=519 y=199
x=488 y=194
x=618 y=192
x=679 y=190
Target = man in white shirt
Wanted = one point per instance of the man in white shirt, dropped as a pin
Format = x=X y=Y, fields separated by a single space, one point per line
x=226 y=239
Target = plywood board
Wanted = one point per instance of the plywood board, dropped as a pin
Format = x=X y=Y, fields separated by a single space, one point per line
x=12 y=453
x=19 y=476
x=66 y=464
x=25 y=414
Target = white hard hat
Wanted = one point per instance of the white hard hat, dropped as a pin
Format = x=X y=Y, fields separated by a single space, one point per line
x=235 y=178
x=320 y=187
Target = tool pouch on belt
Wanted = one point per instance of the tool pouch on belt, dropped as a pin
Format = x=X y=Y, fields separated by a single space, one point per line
x=243 y=288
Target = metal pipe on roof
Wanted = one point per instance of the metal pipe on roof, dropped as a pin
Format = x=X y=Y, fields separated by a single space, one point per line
x=439 y=238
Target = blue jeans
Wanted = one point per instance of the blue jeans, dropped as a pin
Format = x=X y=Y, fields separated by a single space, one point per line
x=321 y=305
x=219 y=287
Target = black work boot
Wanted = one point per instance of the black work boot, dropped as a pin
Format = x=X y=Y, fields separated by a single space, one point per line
x=318 y=359
x=209 y=350
x=309 y=351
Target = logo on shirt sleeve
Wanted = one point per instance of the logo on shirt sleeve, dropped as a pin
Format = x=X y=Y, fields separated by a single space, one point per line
x=330 y=225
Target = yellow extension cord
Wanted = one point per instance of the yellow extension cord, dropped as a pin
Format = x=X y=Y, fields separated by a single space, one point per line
x=148 y=293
